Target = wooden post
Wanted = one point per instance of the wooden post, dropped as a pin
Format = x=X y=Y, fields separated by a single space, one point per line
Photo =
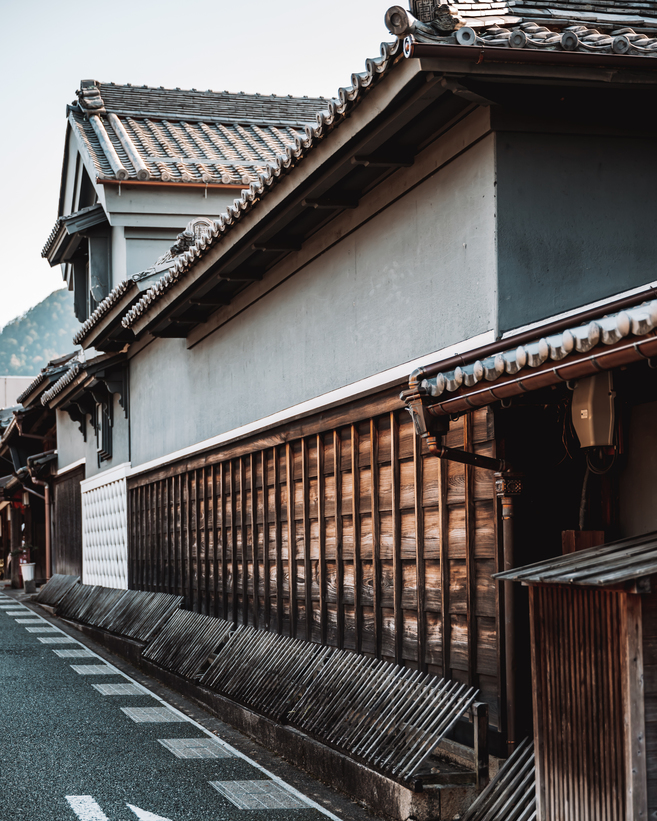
x=636 y=808
x=482 y=758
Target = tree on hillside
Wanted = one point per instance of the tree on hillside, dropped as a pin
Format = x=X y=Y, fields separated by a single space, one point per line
x=45 y=332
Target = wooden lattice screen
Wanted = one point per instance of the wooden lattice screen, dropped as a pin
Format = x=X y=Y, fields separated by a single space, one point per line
x=394 y=550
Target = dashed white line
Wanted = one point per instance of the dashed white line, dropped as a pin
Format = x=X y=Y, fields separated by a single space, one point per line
x=228 y=747
x=86 y=808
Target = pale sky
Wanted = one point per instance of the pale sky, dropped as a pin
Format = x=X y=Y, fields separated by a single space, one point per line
x=287 y=47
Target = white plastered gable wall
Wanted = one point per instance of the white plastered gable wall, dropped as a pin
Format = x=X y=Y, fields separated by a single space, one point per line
x=105 y=528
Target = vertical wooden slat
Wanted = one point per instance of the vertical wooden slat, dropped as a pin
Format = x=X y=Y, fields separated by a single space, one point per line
x=279 y=542
x=355 y=510
x=223 y=470
x=306 y=539
x=254 y=542
x=199 y=478
x=634 y=708
x=376 y=536
x=244 y=541
x=419 y=554
x=266 y=568
x=211 y=557
x=233 y=544
x=339 y=559
x=321 y=523
x=291 y=539
x=176 y=538
x=190 y=541
x=446 y=624
x=159 y=562
x=131 y=539
x=537 y=688
x=470 y=544
x=396 y=540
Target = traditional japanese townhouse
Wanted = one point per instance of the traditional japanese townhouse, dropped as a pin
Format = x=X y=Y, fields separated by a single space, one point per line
x=27 y=453
x=143 y=170
x=461 y=213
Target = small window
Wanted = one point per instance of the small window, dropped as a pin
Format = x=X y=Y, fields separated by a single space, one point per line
x=104 y=425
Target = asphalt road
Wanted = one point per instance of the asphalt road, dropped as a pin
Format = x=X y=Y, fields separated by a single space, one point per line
x=75 y=748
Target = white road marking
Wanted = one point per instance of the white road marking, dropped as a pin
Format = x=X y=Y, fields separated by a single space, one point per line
x=93 y=669
x=75 y=654
x=41 y=629
x=233 y=750
x=86 y=808
x=63 y=639
x=153 y=715
x=258 y=795
x=194 y=748
x=143 y=815
x=32 y=621
x=120 y=690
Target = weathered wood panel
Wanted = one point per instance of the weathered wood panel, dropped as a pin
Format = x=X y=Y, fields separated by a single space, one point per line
x=67 y=531
x=578 y=650
x=355 y=537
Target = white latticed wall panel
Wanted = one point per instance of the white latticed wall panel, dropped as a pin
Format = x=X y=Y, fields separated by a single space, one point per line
x=105 y=533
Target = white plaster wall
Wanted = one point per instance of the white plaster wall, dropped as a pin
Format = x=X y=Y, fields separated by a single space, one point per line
x=417 y=277
x=105 y=530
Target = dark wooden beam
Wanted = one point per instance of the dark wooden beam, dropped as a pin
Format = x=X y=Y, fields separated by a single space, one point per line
x=214 y=302
x=333 y=203
x=277 y=245
x=242 y=276
x=398 y=160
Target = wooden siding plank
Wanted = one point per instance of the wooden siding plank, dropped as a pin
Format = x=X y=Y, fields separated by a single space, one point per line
x=278 y=524
x=634 y=708
x=254 y=541
x=419 y=554
x=339 y=559
x=305 y=479
x=355 y=512
x=291 y=539
x=376 y=536
x=265 y=539
x=396 y=541
x=321 y=518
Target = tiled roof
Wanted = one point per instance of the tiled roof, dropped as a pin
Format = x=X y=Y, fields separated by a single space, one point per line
x=598 y=27
x=104 y=308
x=62 y=383
x=610 y=564
x=52 y=369
x=337 y=110
x=186 y=239
x=608 y=330
x=134 y=133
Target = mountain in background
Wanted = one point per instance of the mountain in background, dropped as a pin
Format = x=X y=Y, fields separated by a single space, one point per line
x=45 y=332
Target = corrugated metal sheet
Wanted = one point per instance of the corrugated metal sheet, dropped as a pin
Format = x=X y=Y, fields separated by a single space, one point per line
x=186 y=641
x=511 y=795
x=602 y=566
x=72 y=604
x=264 y=671
x=55 y=589
x=138 y=615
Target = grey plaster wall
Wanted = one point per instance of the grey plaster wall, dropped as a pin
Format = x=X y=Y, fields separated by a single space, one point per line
x=576 y=221
x=419 y=276
x=142 y=252
x=71 y=445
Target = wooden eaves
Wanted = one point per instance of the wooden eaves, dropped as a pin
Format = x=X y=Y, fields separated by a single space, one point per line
x=399 y=117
